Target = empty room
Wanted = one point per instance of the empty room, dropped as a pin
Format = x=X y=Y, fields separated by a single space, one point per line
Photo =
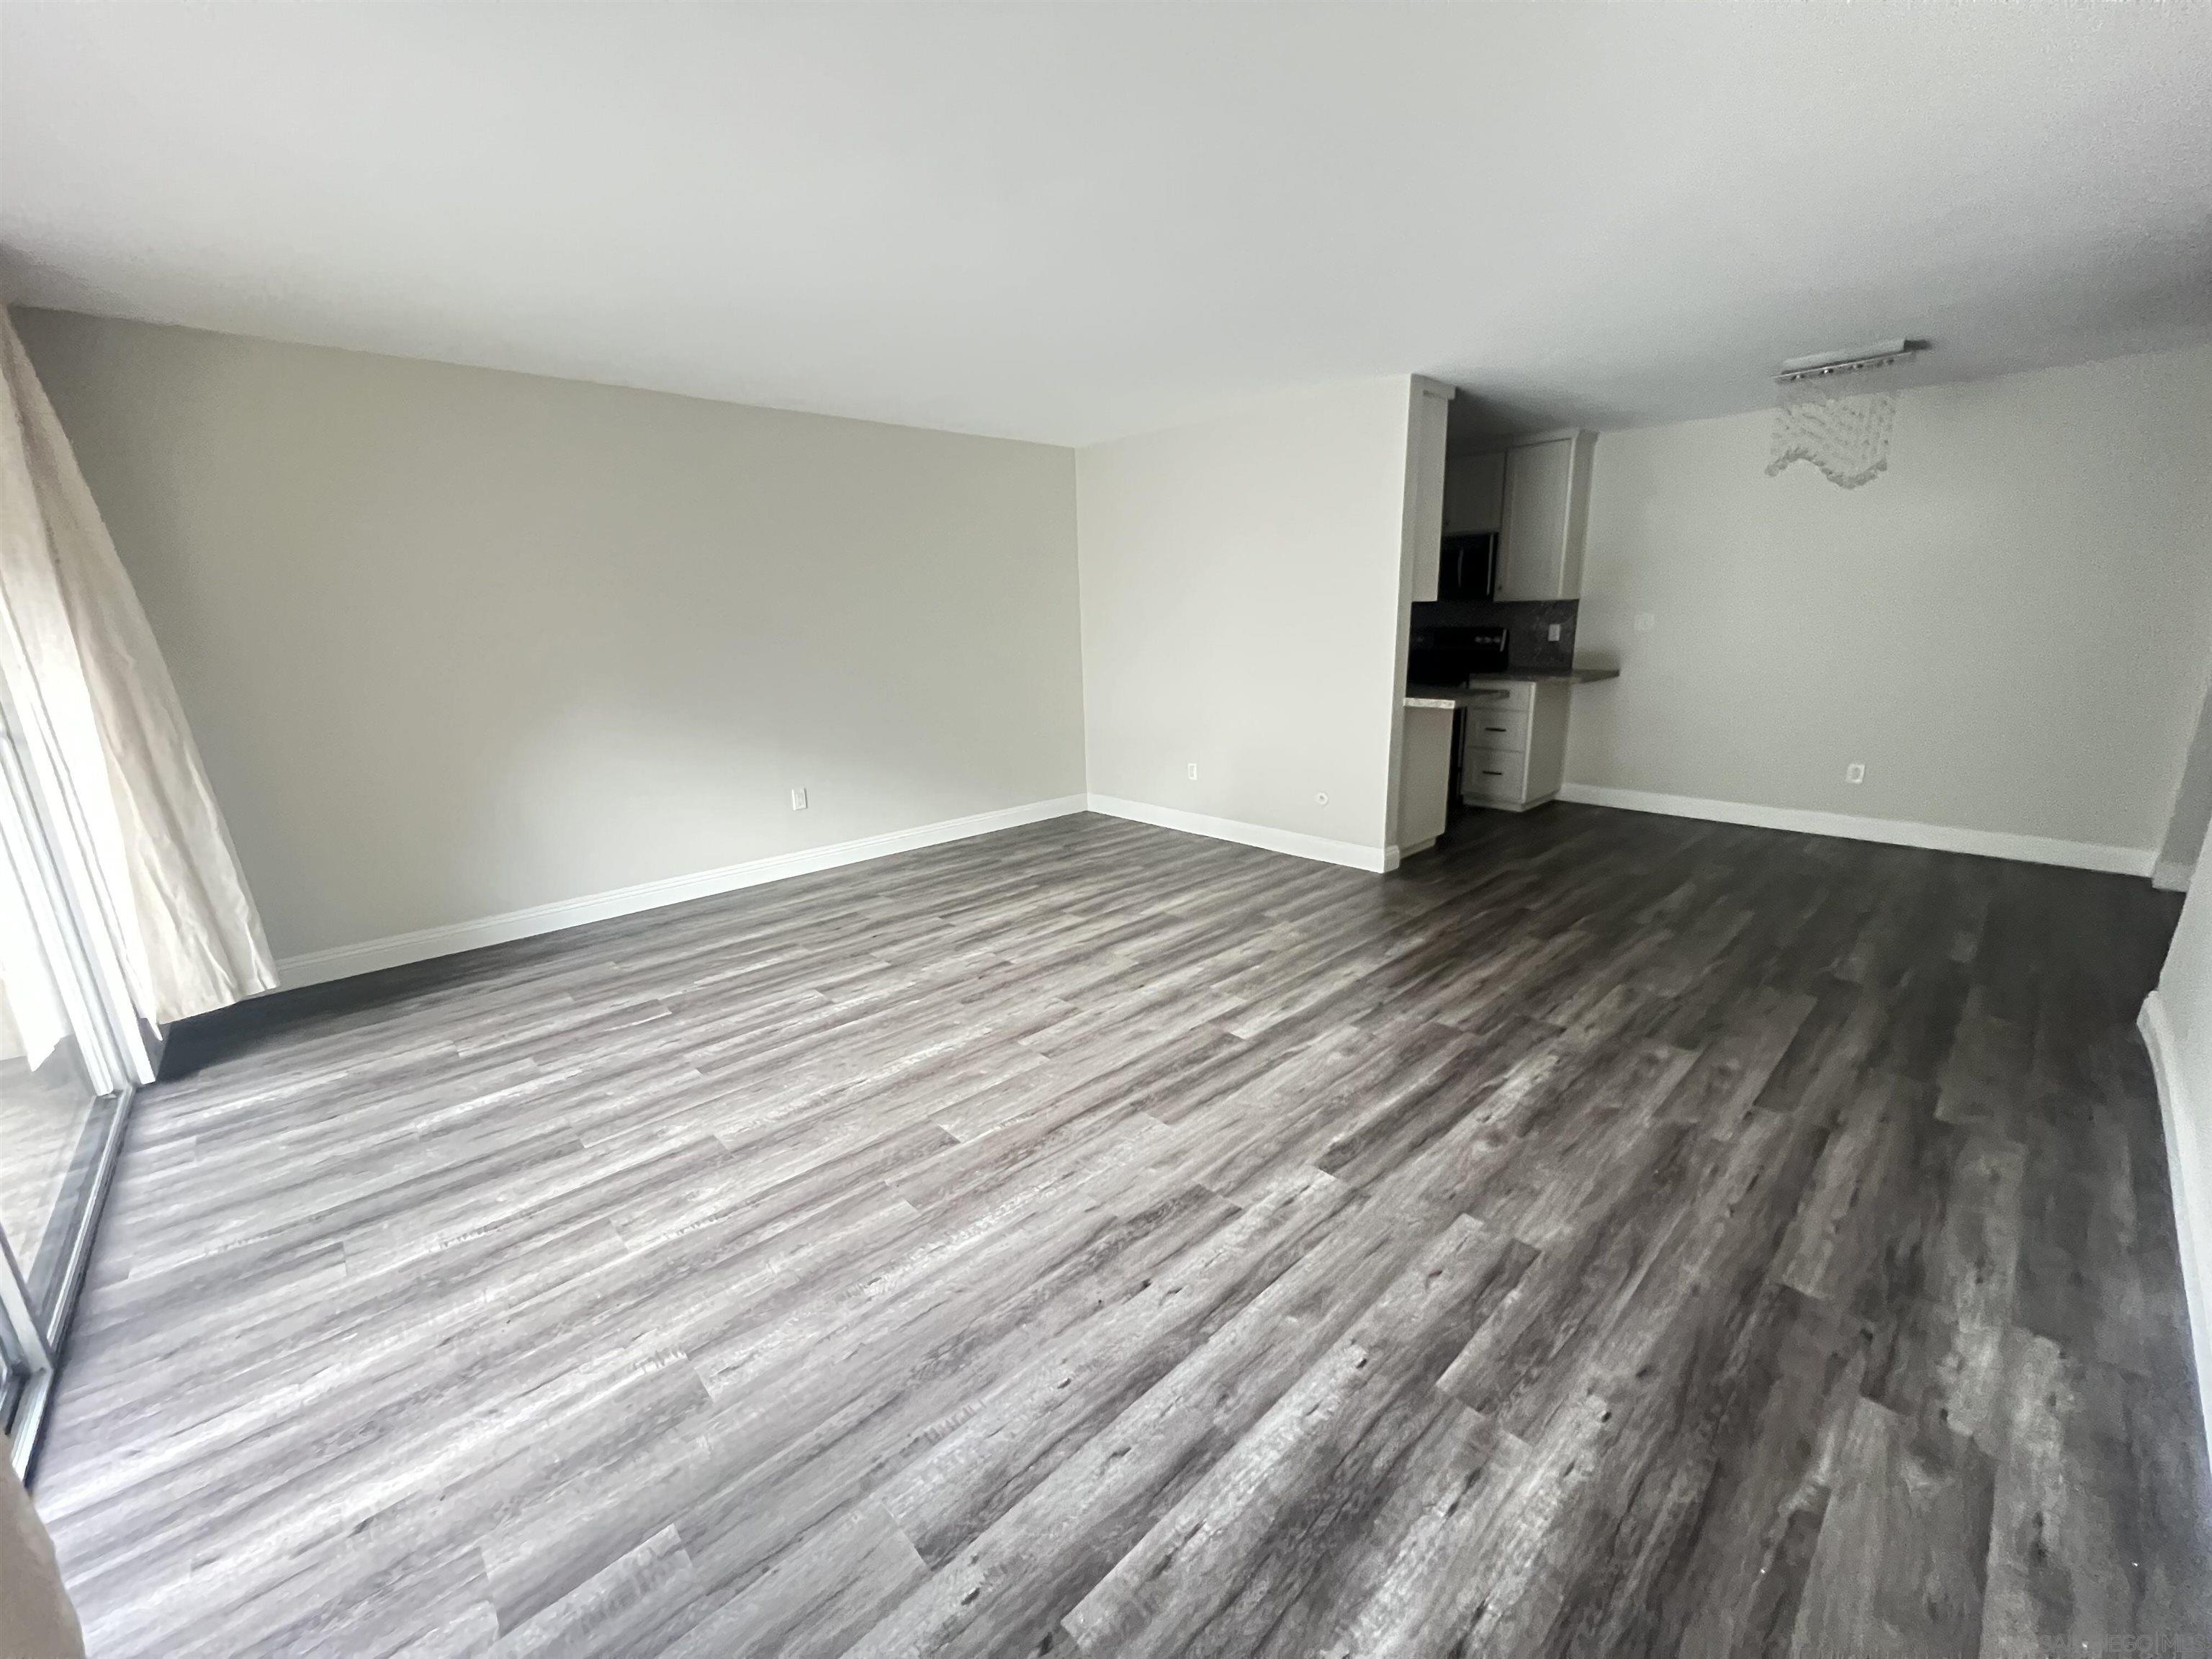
x=1331 y=831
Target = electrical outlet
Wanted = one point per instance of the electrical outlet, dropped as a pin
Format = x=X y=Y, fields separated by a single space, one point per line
x=799 y=800
x=1645 y=622
x=1191 y=771
x=1854 y=773
x=1553 y=633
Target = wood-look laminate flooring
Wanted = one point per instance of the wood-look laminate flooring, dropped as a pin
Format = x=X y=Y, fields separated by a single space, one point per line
x=1610 y=1234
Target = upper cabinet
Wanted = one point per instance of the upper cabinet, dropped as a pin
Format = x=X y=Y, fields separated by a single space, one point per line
x=1474 y=493
x=1546 y=506
x=1425 y=482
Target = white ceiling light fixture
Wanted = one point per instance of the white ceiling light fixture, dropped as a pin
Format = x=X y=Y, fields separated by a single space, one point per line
x=1835 y=411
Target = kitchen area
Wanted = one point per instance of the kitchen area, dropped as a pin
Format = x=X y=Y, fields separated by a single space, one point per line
x=1496 y=585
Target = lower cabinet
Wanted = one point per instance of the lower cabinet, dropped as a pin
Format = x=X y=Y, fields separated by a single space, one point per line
x=1424 y=777
x=1515 y=751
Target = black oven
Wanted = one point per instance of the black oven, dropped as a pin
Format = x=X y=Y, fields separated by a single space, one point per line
x=1446 y=656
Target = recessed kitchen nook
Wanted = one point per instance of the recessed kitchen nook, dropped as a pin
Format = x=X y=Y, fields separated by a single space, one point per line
x=1495 y=585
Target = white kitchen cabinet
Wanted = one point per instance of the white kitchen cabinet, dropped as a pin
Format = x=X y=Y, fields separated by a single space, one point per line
x=1425 y=484
x=1474 y=493
x=1498 y=728
x=1547 y=507
x=1424 y=775
x=1514 y=754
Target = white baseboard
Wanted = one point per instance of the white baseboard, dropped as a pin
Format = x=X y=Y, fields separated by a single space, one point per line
x=1375 y=860
x=2188 y=1175
x=2172 y=875
x=1893 y=832
x=346 y=960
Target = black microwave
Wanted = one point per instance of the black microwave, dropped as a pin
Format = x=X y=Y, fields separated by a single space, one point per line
x=1468 y=567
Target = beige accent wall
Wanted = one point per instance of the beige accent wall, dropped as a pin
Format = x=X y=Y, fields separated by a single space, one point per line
x=1242 y=612
x=457 y=642
x=2009 y=628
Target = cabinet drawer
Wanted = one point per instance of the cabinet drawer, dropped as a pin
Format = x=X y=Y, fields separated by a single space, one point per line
x=1497 y=728
x=1485 y=699
x=1493 y=774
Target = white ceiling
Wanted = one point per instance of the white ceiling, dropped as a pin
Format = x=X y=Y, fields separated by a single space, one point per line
x=1070 y=222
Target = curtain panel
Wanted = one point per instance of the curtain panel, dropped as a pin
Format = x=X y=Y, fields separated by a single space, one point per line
x=36 y=1619
x=113 y=759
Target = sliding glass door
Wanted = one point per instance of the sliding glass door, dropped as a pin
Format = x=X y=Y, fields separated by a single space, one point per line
x=52 y=1122
x=64 y=1086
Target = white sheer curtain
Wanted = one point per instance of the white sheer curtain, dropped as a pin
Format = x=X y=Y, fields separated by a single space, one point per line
x=104 y=743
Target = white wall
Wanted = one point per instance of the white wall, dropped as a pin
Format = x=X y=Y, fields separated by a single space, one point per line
x=1242 y=610
x=2177 y=1024
x=2007 y=627
x=457 y=642
x=2192 y=808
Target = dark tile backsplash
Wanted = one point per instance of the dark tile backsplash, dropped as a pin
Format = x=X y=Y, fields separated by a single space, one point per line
x=1527 y=620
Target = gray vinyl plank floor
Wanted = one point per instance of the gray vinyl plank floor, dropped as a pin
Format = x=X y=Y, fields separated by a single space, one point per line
x=1610 y=1234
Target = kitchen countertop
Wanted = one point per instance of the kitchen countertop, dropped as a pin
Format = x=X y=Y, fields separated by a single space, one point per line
x=1449 y=696
x=1545 y=677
